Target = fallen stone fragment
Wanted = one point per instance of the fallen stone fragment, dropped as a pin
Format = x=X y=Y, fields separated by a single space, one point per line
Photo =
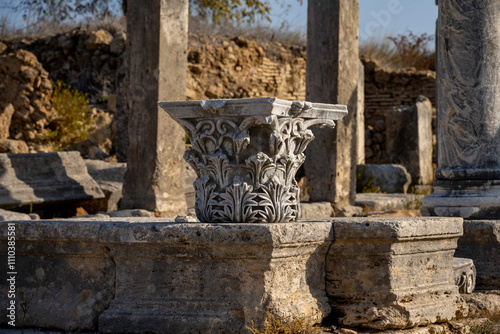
x=316 y=210
x=109 y=176
x=131 y=213
x=382 y=178
x=45 y=179
x=12 y=215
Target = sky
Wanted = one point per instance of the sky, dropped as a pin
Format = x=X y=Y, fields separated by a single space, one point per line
x=376 y=17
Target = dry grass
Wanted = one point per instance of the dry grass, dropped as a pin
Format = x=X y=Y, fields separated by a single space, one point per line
x=257 y=31
x=292 y=324
x=382 y=49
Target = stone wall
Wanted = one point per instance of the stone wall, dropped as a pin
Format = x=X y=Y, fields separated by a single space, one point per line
x=385 y=89
x=223 y=67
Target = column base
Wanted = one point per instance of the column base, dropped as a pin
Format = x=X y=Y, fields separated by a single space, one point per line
x=470 y=194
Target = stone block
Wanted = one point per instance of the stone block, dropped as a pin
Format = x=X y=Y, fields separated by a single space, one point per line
x=214 y=278
x=138 y=275
x=386 y=273
x=13 y=146
x=45 y=179
x=377 y=202
x=481 y=243
x=6 y=215
x=63 y=269
x=6 y=113
x=109 y=176
x=409 y=139
x=387 y=178
x=98 y=39
x=316 y=210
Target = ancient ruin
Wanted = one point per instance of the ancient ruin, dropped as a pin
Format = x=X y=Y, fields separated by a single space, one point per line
x=250 y=258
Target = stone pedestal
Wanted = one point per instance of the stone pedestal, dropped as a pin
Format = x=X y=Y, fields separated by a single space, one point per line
x=157 y=60
x=246 y=153
x=204 y=278
x=386 y=273
x=468 y=175
x=332 y=77
x=146 y=275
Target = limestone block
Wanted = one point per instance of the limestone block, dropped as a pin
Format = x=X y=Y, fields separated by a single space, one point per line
x=109 y=176
x=213 y=278
x=45 y=179
x=316 y=210
x=13 y=146
x=98 y=39
x=409 y=139
x=387 y=178
x=6 y=215
x=386 y=273
x=6 y=113
x=481 y=243
x=66 y=272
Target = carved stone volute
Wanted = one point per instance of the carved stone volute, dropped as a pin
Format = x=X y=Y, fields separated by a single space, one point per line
x=246 y=153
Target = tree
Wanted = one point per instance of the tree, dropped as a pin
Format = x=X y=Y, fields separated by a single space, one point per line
x=219 y=11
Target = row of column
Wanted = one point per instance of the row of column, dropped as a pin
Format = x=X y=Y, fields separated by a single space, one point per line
x=468 y=42
x=156 y=63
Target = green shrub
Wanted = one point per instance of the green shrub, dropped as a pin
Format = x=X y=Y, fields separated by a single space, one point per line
x=72 y=122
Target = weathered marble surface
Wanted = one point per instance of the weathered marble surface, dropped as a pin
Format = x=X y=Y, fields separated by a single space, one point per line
x=386 y=273
x=332 y=77
x=45 y=179
x=246 y=153
x=469 y=85
x=156 y=71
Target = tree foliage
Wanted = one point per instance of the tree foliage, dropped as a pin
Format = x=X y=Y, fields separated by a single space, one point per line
x=219 y=11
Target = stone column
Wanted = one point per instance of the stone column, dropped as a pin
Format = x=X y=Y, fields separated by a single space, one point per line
x=156 y=57
x=332 y=77
x=468 y=175
x=360 y=117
